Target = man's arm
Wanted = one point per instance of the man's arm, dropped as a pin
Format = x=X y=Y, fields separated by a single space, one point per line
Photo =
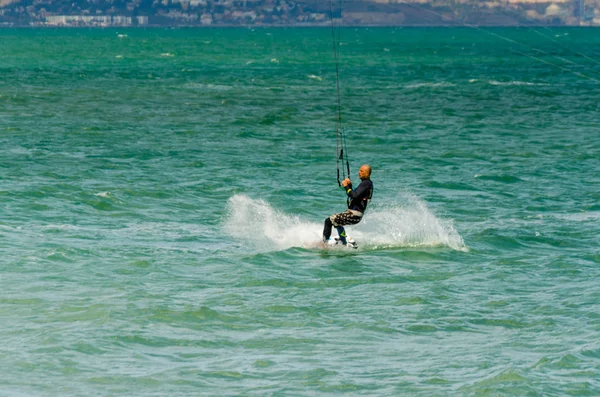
x=347 y=184
x=358 y=192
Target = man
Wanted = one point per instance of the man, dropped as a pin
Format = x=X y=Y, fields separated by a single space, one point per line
x=357 y=204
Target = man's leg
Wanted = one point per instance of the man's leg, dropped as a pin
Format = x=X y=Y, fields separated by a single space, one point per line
x=342 y=219
x=342 y=233
x=327 y=229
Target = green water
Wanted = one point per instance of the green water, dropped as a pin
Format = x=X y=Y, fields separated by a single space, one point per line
x=158 y=189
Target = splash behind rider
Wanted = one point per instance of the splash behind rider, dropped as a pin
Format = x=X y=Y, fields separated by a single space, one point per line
x=358 y=199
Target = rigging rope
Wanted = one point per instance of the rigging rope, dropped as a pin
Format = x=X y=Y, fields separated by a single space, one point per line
x=341 y=150
x=499 y=36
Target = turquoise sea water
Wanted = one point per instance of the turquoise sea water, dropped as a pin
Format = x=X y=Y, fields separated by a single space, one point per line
x=158 y=187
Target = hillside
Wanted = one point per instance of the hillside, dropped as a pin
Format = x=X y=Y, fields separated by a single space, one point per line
x=296 y=12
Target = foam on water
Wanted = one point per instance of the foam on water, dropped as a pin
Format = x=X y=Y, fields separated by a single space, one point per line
x=258 y=223
x=410 y=224
x=407 y=223
x=431 y=85
x=517 y=83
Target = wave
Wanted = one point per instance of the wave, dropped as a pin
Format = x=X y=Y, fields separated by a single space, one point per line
x=517 y=83
x=208 y=87
x=431 y=85
x=256 y=223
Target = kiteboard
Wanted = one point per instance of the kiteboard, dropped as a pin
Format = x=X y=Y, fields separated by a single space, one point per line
x=350 y=242
x=333 y=243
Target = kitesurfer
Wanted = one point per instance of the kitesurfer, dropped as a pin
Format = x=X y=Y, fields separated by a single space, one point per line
x=358 y=199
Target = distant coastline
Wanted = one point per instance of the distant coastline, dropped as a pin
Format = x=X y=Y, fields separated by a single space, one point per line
x=296 y=13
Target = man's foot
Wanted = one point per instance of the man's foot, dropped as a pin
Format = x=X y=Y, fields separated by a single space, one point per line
x=351 y=243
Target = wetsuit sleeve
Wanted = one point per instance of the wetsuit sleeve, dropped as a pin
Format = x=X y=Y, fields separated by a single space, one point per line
x=348 y=189
x=359 y=191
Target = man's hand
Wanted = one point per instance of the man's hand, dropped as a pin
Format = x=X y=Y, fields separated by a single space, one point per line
x=346 y=182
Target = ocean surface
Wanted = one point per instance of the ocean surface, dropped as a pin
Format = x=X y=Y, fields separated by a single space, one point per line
x=161 y=189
